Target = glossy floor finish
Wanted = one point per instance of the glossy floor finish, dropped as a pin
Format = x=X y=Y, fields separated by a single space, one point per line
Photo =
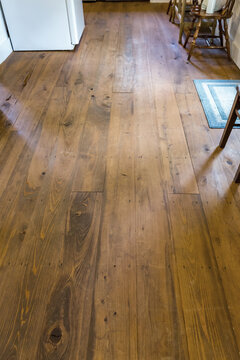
x=120 y=227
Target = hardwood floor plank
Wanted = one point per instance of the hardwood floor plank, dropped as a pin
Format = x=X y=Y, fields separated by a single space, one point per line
x=179 y=174
x=81 y=68
x=15 y=90
x=61 y=291
x=15 y=74
x=160 y=330
x=91 y=159
x=203 y=299
x=58 y=182
x=53 y=120
x=69 y=309
x=99 y=257
x=27 y=122
x=63 y=116
x=23 y=189
x=125 y=66
x=15 y=87
x=114 y=327
x=92 y=149
x=174 y=54
x=220 y=206
x=18 y=197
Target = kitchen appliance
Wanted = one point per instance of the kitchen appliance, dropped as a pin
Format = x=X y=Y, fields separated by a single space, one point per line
x=44 y=24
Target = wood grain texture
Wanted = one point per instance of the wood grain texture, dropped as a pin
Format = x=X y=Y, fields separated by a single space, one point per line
x=125 y=65
x=114 y=327
x=92 y=149
x=119 y=219
x=157 y=306
x=204 y=305
x=66 y=324
x=215 y=171
x=178 y=170
x=64 y=296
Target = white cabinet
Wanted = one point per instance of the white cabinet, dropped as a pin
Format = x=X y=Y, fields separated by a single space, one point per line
x=44 y=24
x=5 y=44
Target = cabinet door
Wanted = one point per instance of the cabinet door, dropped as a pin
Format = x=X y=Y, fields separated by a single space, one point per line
x=76 y=19
x=5 y=44
x=38 y=24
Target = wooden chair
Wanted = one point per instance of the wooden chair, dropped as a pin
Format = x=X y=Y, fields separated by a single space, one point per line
x=181 y=9
x=234 y=115
x=237 y=176
x=221 y=17
x=169 y=6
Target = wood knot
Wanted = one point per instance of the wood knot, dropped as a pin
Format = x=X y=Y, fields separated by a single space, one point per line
x=56 y=335
x=67 y=123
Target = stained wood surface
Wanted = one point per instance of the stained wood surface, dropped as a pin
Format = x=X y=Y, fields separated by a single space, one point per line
x=119 y=218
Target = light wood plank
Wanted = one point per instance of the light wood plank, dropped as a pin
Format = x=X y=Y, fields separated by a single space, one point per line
x=92 y=160
x=218 y=197
x=125 y=65
x=114 y=327
x=204 y=304
x=159 y=317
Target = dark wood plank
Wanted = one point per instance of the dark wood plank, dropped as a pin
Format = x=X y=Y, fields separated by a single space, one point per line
x=68 y=314
x=63 y=295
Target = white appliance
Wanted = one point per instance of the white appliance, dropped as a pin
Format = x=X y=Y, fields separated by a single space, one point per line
x=44 y=24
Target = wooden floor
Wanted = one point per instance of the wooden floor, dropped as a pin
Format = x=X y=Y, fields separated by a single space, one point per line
x=120 y=227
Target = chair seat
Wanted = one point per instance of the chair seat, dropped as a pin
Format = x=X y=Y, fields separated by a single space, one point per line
x=204 y=15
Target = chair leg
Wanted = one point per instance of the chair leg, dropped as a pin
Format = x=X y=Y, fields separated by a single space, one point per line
x=195 y=36
x=189 y=33
x=227 y=38
x=169 y=6
x=172 y=12
x=181 y=29
x=220 y=31
x=237 y=176
x=231 y=122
